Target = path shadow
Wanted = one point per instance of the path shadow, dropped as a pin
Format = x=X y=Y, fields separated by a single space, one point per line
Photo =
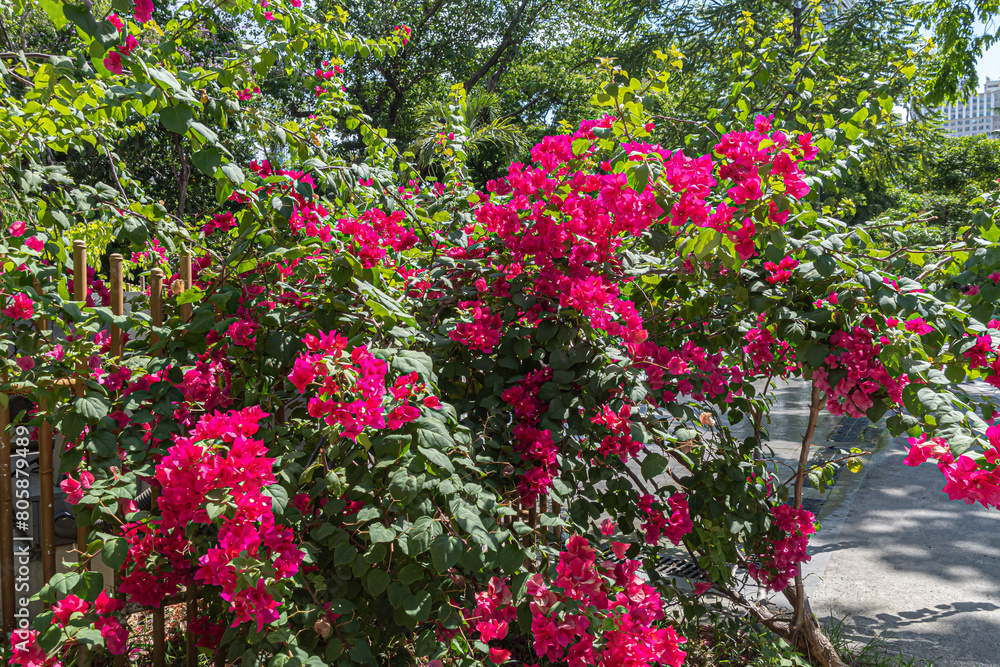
x=897 y=635
x=916 y=568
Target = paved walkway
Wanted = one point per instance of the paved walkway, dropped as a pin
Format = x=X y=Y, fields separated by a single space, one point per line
x=913 y=566
x=895 y=556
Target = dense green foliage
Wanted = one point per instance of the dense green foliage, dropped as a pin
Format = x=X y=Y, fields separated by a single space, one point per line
x=402 y=393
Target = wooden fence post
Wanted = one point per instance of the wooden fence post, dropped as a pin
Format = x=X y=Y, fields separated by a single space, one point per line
x=6 y=523
x=117 y=352
x=46 y=483
x=80 y=294
x=186 y=308
x=156 y=314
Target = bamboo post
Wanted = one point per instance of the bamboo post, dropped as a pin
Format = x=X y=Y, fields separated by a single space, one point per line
x=156 y=313
x=186 y=308
x=156 y=303
x=6 y=524
x=117 y=351
x=117 y=303
x=46 y=491
x=80 y=294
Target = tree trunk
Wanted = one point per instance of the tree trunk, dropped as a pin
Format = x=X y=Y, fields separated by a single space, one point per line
x=808 y=637
x=183 y=174
x=803 y=631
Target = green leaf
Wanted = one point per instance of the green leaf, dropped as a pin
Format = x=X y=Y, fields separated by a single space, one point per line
x=409 y=361
x=114 y=552
x=410 y=574
x=279 y=498
x=233 y=173
x=438 y=458
x=207 y=160
x=418 y=606
x=653 y=465
x=54 y=10
x=375 y=582
x=344 y=554
x=177 y=118
x=91 y=407
x=433 y=434
x=165 y=77
x=511 y=558
x=446 y=550
x=103 y=31
x=191 y=295
x=380 y=533
x=135 y=230
x=420 y=536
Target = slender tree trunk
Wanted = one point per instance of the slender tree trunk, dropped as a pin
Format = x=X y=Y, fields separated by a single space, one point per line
x=183 y=174
x=804 y=631
x=797 y=23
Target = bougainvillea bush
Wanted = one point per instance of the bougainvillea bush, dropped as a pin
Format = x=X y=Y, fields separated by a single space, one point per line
x=413 y=420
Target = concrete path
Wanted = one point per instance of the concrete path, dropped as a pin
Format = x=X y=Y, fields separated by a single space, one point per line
x=912 y=566
x=895 y=557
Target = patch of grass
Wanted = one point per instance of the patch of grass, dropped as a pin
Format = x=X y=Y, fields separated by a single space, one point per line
x=872 y=653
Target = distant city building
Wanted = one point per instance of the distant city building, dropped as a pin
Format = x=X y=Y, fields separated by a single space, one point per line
x=975 y=115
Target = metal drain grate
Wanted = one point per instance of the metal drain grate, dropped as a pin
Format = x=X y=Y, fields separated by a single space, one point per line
x=669 y=566
x=813 y=505
x=850 y=429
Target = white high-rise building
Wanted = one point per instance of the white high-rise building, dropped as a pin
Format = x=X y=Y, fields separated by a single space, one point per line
x=975 y=115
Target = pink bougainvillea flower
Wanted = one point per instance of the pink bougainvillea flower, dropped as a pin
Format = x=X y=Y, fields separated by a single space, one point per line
x=17 y=229
x=113 y=62
x=780 y=563
x=116 y=22
x=34 y=243
x=918 y=326
x=130 y=43
x=619 y=549
x=608 y=527
x=143 y=10
x=242 y=333
x=74 y=489
x=114 y=634
x=499 y=655
x=69 y=605
x=21 y=307
x=701 y=587
x=105 y=604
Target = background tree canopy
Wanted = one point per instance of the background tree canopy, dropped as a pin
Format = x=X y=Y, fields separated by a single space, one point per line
x=462 y=293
